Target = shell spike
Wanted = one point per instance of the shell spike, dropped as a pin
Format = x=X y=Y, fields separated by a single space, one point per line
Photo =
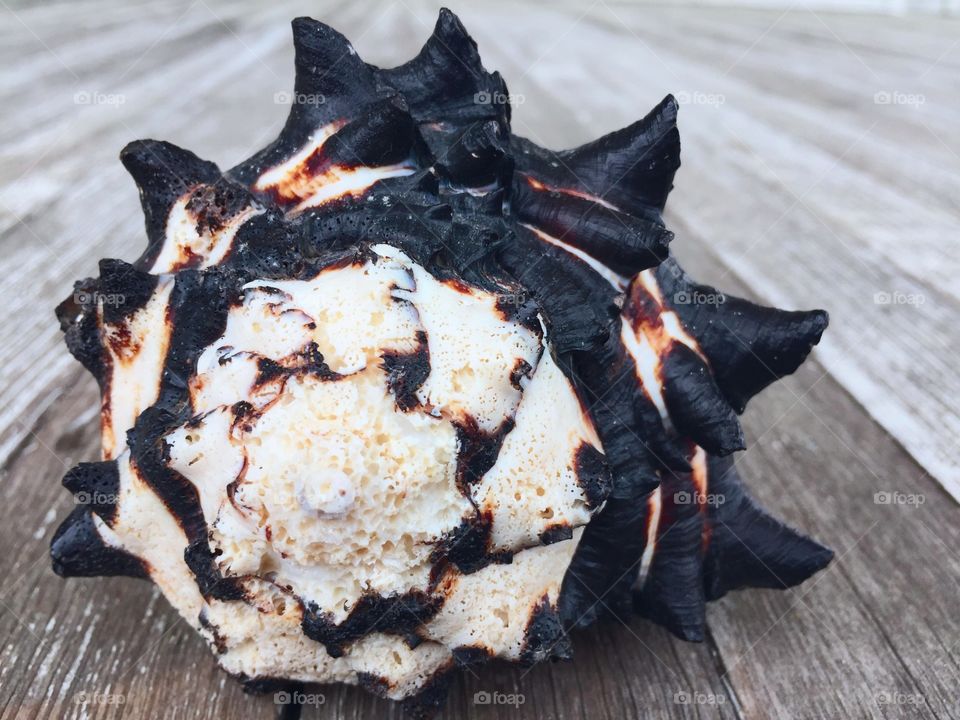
x=78 y=550
x=748 y=547
x=696 y=405
x=331 y=79
x=624 y=243
x=448 y=66
x=634 y=165
x=332 y=85
x=670 y=590
x=749 y=346
x=163 y=172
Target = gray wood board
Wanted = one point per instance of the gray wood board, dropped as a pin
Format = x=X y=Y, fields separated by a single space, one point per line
x=796 y=190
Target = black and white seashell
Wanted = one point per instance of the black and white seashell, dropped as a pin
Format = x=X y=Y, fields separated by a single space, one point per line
x=404 y=391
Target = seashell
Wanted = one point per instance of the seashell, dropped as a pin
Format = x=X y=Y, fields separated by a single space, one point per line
x=404 y=391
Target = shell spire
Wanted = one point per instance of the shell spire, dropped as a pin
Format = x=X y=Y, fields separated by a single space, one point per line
x=404 y=392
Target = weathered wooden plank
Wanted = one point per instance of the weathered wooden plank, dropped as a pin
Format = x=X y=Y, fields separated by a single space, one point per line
x=878 y=625
x=84 y=43
x=832 y=110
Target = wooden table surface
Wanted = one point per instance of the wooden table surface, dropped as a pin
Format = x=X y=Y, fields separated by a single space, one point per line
x=820 y=169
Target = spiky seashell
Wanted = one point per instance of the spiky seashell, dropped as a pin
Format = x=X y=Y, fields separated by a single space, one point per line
x=404 y=391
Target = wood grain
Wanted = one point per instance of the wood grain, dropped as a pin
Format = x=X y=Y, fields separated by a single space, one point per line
x=797 y=189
